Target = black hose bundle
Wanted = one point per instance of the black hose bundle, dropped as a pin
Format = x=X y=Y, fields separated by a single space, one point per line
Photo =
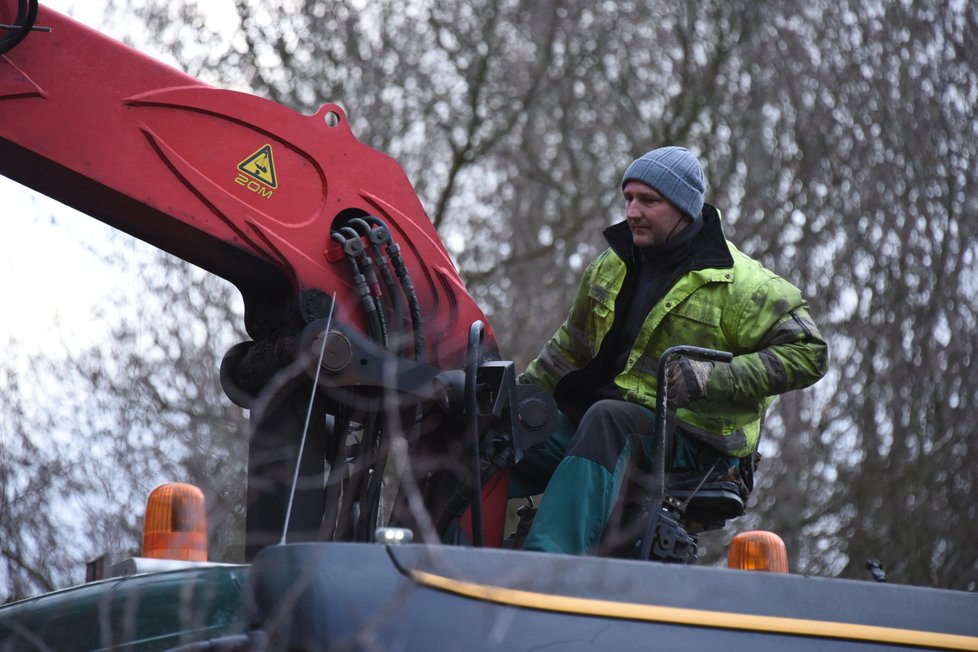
x=383 y=236
x=362 y=470
x=365 y=268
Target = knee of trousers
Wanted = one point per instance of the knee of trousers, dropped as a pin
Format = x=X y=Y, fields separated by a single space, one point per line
x=605 y=428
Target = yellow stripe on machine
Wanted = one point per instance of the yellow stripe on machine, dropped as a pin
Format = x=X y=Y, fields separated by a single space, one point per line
x=695 y=617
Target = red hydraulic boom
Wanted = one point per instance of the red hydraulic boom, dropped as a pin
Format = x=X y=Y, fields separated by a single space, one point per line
x=242 y=186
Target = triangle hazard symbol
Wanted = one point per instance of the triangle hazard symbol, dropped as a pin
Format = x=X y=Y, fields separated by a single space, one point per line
x=260 y=166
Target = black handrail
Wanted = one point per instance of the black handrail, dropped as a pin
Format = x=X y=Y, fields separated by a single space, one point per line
x=476 y=332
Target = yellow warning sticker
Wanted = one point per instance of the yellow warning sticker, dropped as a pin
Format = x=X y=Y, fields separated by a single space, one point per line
x=260 y=166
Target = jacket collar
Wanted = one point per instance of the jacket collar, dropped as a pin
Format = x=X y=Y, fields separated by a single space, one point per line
x=709 y=248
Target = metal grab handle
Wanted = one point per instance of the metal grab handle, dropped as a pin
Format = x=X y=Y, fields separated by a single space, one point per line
x=662 y=404
x=661 y=408
x=474 y=354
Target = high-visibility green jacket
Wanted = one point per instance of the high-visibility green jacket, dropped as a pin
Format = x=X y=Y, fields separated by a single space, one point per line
x=737 y=306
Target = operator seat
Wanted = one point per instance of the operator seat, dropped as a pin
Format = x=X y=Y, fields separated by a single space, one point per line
x=705 y=499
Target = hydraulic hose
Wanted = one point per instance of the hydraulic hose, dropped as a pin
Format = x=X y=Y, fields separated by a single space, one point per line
x=414 y=307
x=336 y=457
x=380 y=237
x=23 y=24
x=353 y=248
x=369 y=268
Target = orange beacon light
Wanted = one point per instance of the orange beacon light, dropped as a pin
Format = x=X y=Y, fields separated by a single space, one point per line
x=176 y=523
x=758 y=551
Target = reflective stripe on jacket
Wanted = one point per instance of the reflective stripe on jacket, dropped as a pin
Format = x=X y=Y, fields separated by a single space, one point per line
x=745 y=309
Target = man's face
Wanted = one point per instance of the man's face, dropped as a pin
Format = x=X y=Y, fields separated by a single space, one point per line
x=651 y=217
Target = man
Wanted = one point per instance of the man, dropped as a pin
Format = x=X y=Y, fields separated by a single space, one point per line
x=669 y=277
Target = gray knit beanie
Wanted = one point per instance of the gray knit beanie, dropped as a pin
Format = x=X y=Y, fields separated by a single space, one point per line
x=675 y=173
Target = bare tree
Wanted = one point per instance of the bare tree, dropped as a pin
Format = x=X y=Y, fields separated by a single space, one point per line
x=86 y=432
x=859 y=173
x=158 y=396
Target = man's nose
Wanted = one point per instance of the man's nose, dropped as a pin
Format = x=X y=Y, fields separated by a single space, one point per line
x=631 y=209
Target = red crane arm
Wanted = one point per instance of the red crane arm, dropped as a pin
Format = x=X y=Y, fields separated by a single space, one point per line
x=239 y=185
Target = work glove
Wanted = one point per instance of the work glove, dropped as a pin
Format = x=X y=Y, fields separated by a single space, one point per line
x=687 y=381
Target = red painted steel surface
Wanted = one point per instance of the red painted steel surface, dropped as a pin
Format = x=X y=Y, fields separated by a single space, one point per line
x=244 y=187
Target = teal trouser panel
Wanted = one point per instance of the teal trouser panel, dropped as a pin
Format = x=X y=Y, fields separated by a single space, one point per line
x=587 y=463
x=573 y=525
